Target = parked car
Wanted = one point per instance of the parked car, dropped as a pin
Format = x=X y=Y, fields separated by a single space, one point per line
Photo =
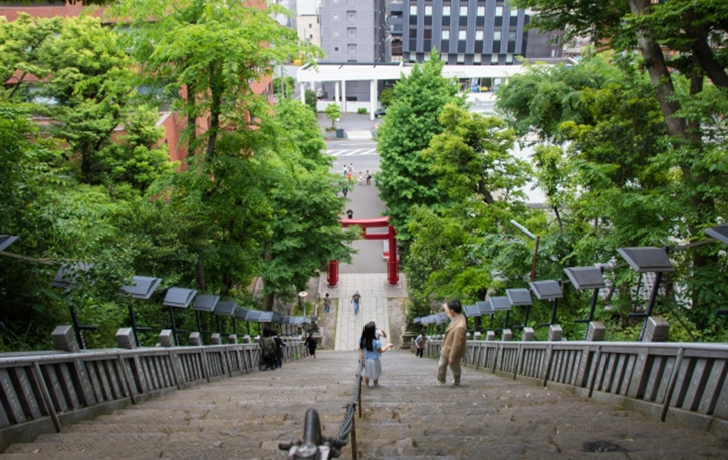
x=380 y=112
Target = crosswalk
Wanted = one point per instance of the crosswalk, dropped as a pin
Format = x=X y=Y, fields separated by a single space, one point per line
x=352 y=152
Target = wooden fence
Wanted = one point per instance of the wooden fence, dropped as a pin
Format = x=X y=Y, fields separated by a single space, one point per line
x=685 y=382
x=39 y=392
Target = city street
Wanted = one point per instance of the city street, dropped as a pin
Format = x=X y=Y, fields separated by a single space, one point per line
x=363 y=200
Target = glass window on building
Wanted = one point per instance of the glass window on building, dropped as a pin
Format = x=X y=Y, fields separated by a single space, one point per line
x=427 y=57
x=428 y=34
x=335 y=33
x=511 y=35
x=497 y=36
x=476 y=59
x=494 y=59
x=351 y=32
x=335 y=16
x=462 y=34
x=351 y=16
x=445 y=34
x=446 y=11
x=428 y=11
x=413 y=33
x=461 y=58
x=413 y=10
x=481 y=11
x=352 y=49
x=498 y=11
x=444 y=57
x=464 y=11
x=479 y=35
x=509 y=58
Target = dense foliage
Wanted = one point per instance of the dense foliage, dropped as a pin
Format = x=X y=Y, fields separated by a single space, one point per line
x=93 y=185
x=405 y=179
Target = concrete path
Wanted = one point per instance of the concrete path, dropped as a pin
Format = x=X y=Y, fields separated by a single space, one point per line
x=375 y=292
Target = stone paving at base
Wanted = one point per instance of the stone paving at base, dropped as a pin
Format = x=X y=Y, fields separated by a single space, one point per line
x=375 y=292
x=407 y=417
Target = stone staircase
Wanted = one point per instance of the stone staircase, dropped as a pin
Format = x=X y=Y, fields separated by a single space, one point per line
x=406 y=417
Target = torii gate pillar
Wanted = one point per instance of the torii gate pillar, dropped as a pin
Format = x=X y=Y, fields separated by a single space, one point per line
x=393 y=259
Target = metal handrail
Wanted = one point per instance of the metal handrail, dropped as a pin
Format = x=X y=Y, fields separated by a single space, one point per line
x=316 y=446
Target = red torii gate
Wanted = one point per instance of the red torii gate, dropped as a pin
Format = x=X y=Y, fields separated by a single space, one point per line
x=392 y=261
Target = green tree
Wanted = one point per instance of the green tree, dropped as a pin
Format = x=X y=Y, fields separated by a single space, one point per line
x=301 y=128
x=483 y=182
x=208 y=53
x=694 y=32
x=20 y=57
x=333 y=113
x=311 y=100
x=88 y=77
x=287 y=84
x=405 y=179
x=611 y=178
x=387 y=97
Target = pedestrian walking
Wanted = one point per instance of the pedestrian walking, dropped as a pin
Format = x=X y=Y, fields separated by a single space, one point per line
x=420 y=343
x=453 y=344
x=370 y=350
x=268 y=350
x=311 y=344
x=360 y=179
x=356 y=299
x=279 y=349
x=351 y=168
x=346 y=171
x=345 y=190
x=327 y=303
x=349 y=213
x=369 y=178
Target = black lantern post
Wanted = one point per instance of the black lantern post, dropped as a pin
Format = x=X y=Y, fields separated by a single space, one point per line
x=142 y=289
x=224 y=308
x=178 y=298
x=204 y=303
x=584 y=278
x=643 y=260
x=520 y=297
x=486 y=308
x=501 y=303
x=68 y=277
x=548 y=290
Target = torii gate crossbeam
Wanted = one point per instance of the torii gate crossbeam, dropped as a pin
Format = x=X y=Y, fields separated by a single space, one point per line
x=392 y=261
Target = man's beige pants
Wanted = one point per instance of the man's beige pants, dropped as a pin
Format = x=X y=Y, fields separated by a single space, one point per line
x=442 y=370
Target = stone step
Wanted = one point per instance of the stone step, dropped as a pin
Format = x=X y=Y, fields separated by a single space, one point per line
x=407 y=417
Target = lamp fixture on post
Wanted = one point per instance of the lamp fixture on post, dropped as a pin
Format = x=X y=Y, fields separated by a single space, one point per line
x=142 y=289
x=501 y=303
x=548 y=290
x=534 y=237
x=520 y=297
x=486 y=308
x=178 y=298
x=68 y=277
x=584 y=278
x=644 y=260
x=204 y=303
x=224 y=308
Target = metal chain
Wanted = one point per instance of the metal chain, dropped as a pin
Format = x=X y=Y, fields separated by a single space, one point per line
x=342 y=438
